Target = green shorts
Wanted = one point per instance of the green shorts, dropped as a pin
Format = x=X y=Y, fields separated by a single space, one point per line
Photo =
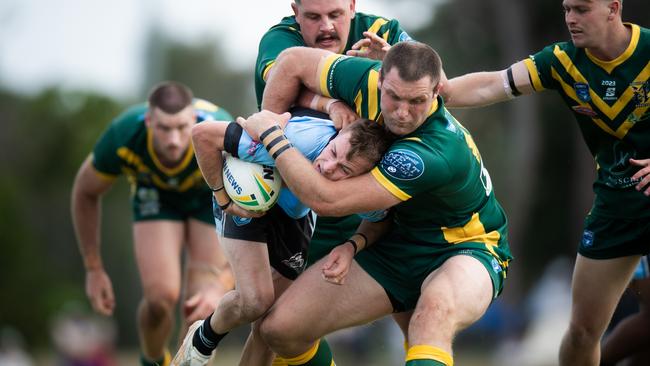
x=606 y=238
x=401 y=267
x=330 y=232
x=151 y=203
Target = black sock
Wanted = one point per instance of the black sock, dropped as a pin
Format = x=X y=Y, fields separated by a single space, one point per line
x=205 y=339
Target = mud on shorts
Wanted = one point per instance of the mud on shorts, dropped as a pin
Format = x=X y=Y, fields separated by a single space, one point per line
x=287 y=239
x=401 y=267
x=607 y=238
x=151 y=203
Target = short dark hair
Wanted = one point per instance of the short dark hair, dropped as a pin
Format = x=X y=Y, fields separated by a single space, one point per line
x=170 y=96
x=413 y=60
x=368 y=139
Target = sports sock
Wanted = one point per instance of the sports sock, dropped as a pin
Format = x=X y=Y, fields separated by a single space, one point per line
x=319 y=355
x=424 y=355
x=163 y=361
x=205 y=339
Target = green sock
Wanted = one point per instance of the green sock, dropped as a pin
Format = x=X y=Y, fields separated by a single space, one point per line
x=146 y=362
x=424 y=363
x=319 y=355
x=425 y=355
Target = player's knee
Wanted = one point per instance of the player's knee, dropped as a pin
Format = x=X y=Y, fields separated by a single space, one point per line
x=253 y=306
x=161 y=299
x=581 y=335
x=274 y=332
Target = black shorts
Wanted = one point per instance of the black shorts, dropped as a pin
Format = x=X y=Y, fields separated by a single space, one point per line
x=287 y=238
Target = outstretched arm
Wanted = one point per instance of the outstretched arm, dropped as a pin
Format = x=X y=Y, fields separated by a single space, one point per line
x=86 y=206
x=484 y=88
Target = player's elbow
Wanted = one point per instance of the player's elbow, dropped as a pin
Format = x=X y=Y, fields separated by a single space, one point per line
x=201 y=137
x=324 y=207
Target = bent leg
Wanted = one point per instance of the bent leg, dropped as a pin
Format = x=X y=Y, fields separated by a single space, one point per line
x=158 y=251
x=256 y=352
x=632 y=335
x=597 y=287
x=311 y=308
x=453 y=297
x=208 y=274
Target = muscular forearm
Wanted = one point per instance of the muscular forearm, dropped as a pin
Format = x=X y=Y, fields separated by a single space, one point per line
x=208 y=138
x=86 y=220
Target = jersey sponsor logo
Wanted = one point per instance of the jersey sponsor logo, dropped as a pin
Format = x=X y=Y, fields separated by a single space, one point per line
x=584 y=110
x=587 y=238
x=240 y=221
x=582 y=91
x=610 y=93
x=404 y=37
x=620 y=170
x=296 y=262
x=641 y=93
x=496 y=266
x=330 y=81
x=403 y=164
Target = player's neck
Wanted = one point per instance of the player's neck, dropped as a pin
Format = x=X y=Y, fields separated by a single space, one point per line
x=615 y=43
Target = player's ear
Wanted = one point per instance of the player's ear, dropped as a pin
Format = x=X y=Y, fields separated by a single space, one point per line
x=295 y=8
x=352 y=7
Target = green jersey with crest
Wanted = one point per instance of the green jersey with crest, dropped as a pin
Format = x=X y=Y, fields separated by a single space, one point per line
x=611 y=101
x=287 y=34
x=126 y=147
x=436 y=170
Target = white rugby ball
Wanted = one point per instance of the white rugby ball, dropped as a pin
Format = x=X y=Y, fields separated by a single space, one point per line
x=254 y=187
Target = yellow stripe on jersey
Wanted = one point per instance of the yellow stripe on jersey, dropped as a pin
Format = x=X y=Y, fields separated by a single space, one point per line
x=189 y=154
x=534 y=74
x=267 y=68
x=205 y=105
x=393 y=189
x=620 y=132
x=327 y=64
x=358 y=103
x=426 y=352
x=416 y=139
x=621 y=102
x=473 y=231
x=373 y=103
x=105 y=176
x=305 y=357
x=374 y=28
x=610 y=65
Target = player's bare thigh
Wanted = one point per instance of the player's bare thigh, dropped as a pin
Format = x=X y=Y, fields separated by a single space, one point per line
x=206 y=260
x=158 y=247
x=453 y=297
x=597 y=286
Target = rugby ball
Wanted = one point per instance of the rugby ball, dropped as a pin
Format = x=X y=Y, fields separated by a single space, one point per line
x=254 y=187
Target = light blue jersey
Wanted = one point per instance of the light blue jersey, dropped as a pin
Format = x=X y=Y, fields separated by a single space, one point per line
x=309 y=135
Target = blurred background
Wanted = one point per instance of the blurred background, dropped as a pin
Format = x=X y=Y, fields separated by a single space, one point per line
x=67 y=67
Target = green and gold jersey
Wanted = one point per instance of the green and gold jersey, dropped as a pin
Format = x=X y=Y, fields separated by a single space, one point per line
x=126 y=147
x=436 y=170
x=287 y=34
x=611 y=101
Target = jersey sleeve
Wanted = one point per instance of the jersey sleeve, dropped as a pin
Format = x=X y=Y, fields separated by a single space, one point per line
x=393 y=33
x=353 y=80
x=105 y=158
x=410 y=168
x=207 y=111
x=540 y=68
x=276 y=40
